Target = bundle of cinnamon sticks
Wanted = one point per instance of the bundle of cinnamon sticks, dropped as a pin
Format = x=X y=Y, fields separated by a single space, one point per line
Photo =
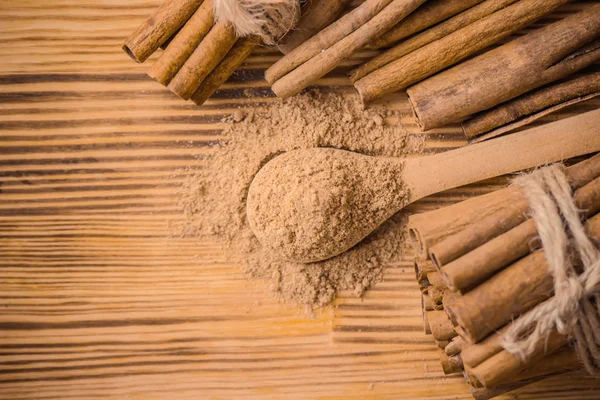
x=441 y=34
x=330 y=47
x=200 y=54
x=480 y=269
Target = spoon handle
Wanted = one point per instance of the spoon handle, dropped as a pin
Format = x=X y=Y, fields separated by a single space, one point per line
x=548 y=143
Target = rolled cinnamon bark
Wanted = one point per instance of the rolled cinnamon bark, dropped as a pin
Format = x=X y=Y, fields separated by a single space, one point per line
x=447 y=51
x=327 y=60
x=561 y=361
x=326 y=38
x=530 y=107
x=183 y=44
x=236 y=56
x=478 y=354
x=169 y=40
x=209 y=53
x=487 y=393
x=445 y=28
x=511 y=292
x=425 y=16
x=317 y=15
x=450 y=364
x=504 y=367
x=501 y=74
x=426 y=303
x=495 y=223
x=422 y=268
x=441 y=326
x=437 y=297
x=426 y=326
x=455 y=346
x=475 y=354
x=474 y=267
x=510 y=216
x=435 y=280
x=430 y=228
x=159 y=27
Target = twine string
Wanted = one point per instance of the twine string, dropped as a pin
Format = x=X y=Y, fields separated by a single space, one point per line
x=575 y=308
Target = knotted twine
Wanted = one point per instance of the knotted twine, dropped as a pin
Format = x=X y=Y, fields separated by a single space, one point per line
x=575 y=308
x=268 y=19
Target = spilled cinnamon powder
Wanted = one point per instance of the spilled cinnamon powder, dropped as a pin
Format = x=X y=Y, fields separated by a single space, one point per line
x=213 y=200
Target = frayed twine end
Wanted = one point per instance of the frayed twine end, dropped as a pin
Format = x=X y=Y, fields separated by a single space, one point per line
x=268 y=19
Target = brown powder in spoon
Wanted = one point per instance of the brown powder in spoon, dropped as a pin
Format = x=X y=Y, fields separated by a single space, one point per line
x=308 y=205
x=213 y=200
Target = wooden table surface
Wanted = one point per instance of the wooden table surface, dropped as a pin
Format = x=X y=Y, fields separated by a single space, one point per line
x=97 y=301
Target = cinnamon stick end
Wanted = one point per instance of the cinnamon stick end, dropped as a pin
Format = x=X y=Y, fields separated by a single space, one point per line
x=271 y=76
x=162 y=79
x=200 y=97
x=179 y=91
x=363 y=93
x=416 y=243
x=415 y=113
x=127 y=49
x=356 y=74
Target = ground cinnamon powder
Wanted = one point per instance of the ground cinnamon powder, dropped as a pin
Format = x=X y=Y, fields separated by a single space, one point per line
x=310 y=204
x=213 y=200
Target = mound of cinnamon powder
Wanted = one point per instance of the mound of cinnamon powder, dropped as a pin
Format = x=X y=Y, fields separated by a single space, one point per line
x=213 y=200
x=311 y=204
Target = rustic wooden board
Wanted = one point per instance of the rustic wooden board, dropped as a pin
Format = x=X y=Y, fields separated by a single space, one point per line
x=97 y=301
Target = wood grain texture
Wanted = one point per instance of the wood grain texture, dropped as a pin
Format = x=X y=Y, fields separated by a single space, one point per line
x=98 y=302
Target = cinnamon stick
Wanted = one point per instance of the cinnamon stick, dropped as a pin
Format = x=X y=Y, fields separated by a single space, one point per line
x=530 y=107
x=430 y=228
x=490 y=226
x=327 y=60
x=511 y=292
x=474 y=267
x=326 y=38
x=450 y=364
x=538 y=58
x=426 y=303
x=159 y=27
x=486 y=393
x=440 y=324
x=437 y=297
x=209 y=53
x=488 y=364
x=169 y=40
x=504 y=367
x=507 y=294
x=435 y=280
x=455 y=346
x=183 y=44
x=317 y=15
x=437 y=32
x=425 y=16
x=495 y=224
x=449 y=50
x=426 y=326
x=234 y=58
x=561 y=361
x=422 y=268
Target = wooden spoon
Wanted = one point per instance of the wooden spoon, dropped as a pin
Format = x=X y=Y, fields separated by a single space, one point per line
x=310 y=205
